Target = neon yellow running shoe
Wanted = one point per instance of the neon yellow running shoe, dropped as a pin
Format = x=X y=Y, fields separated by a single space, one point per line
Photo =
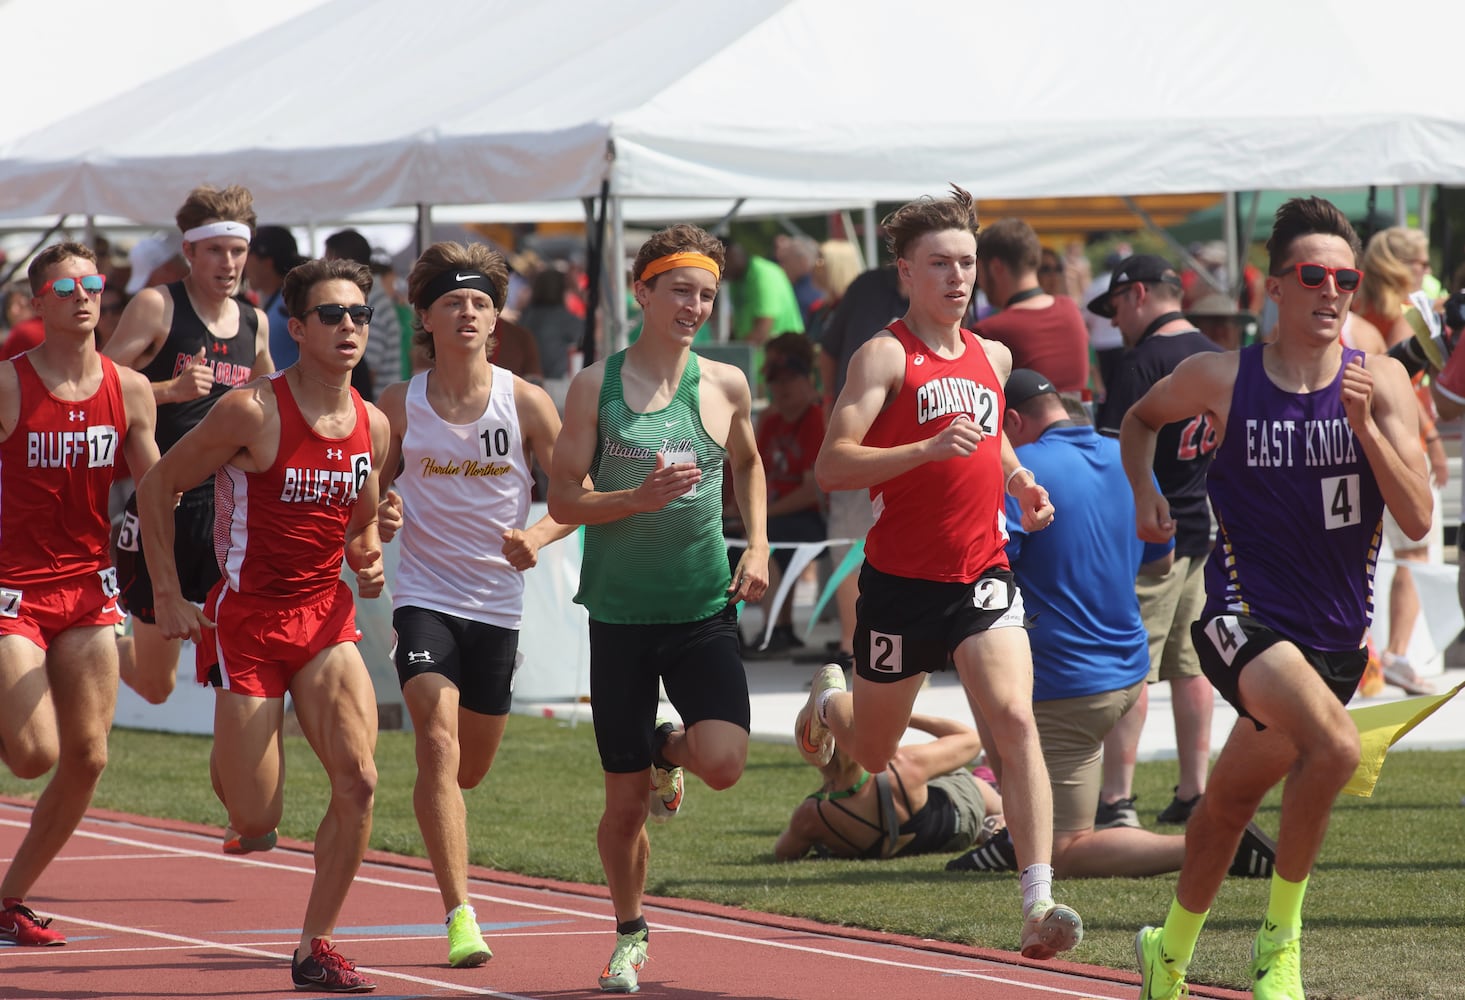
x=1276 y=968
x=466 y=947
x=1159 y=979
x=625 y=962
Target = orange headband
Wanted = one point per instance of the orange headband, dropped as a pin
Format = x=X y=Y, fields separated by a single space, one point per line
x=674 y=260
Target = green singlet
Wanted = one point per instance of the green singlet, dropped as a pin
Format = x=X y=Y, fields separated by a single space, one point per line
x=667 y=566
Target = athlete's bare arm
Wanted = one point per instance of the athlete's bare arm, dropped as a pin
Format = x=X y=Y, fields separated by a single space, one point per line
x=141 y=446
x=803 y=832
x=393 y=403
x=750 y=578
x=142 y=329
x=955 y=746
x=1384 y=414
x=363 y=545
x=1202 y=383
x=539 y=422
x=263 y=363
x=243 y=428
x=572 y=499
x=9 y=399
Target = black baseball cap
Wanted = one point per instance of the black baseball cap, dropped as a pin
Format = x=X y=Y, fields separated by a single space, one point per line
x=1144 y=267
x=1023 y=384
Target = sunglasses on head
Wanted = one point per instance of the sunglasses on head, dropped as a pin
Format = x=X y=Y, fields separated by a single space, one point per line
x=65 y=288
x=333 y=313
x=1313 y=275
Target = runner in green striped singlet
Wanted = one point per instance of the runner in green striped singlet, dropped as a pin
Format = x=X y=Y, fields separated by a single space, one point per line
x=650 y=428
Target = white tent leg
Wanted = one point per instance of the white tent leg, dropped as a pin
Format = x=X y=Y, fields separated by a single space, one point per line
x=872 y=244
x=424 y=227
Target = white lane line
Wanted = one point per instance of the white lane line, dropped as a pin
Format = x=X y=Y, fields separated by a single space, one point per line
x=660 y=926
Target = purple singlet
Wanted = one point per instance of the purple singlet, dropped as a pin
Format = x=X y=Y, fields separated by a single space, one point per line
x=1299 y=513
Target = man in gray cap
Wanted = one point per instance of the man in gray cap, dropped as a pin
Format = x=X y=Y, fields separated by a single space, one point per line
x=1143 y=300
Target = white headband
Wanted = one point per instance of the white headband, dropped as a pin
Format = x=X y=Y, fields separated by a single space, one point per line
x=211 y=229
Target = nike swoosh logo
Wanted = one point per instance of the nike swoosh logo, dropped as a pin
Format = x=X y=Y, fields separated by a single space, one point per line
x=462 y=277
x=112 y=609
x=1262 y=973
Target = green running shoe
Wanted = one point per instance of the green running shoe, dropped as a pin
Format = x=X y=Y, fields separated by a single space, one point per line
x=466 y=947
x=628 y=958
x=1159 y=979
x=1276 y=969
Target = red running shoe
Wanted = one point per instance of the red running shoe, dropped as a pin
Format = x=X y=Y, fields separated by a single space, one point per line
x=326 y=971
x=20 y=924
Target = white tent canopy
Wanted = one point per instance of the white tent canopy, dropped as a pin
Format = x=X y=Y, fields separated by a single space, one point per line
x=361 y=104
x=125 y=45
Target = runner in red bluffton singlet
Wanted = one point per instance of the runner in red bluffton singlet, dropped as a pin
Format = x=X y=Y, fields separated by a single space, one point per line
x=67 y=417
x=296 y=456
x=919 y=424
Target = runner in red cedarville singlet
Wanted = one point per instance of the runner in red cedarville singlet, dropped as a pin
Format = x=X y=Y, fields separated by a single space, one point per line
x=279 y=533
x=941 y=520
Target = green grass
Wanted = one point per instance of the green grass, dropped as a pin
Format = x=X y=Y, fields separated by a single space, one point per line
x=1385 y=910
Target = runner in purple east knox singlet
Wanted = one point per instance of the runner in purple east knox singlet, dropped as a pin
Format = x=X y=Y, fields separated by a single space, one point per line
x=1299 y=513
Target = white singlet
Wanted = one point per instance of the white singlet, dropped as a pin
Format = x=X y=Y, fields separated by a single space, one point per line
x=462 y=487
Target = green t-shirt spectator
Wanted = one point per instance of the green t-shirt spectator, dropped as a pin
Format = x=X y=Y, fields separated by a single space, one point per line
x=764 y=291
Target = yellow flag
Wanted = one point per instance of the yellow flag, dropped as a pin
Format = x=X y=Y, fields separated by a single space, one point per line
x=1381 y=726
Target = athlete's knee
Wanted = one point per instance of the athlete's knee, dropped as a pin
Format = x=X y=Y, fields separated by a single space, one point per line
x=625 y=815
x=29 y=758
x=471 y=772
x=354 y=784
x=153 y=686
x=722 y=768
x=437 y=751
x=1333 y=755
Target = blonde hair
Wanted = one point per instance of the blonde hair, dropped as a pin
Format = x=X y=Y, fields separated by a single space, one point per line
x=1388 y=277
x=841 y=266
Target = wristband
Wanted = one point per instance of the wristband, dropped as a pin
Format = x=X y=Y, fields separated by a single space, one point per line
x=1007 y=486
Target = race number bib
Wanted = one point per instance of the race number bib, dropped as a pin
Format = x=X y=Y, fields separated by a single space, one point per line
x=129 y=536
x=1226 y=636
x=10 y=603
x=885 y=652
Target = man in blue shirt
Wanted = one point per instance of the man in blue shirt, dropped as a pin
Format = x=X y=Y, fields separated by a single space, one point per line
x=1090 y=648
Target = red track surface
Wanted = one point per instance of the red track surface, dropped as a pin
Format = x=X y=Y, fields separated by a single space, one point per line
x=153 y=909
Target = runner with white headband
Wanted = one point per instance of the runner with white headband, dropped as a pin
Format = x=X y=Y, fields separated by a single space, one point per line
x=194 y=340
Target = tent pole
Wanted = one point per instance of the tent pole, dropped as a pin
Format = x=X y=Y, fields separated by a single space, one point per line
x=618 y=313
x=596 y=296
x=1176 y=247
x=1233 y=256
x=1424 y=220
x=872 y=243
x=1401 y=206
x=424 y=227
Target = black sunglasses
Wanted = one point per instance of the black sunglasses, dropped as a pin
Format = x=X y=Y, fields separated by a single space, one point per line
x=1313 y=276
x=332 y=313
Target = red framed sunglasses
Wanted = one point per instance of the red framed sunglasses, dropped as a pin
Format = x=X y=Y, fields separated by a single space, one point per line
x=1313 y=275
x=65 y=288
